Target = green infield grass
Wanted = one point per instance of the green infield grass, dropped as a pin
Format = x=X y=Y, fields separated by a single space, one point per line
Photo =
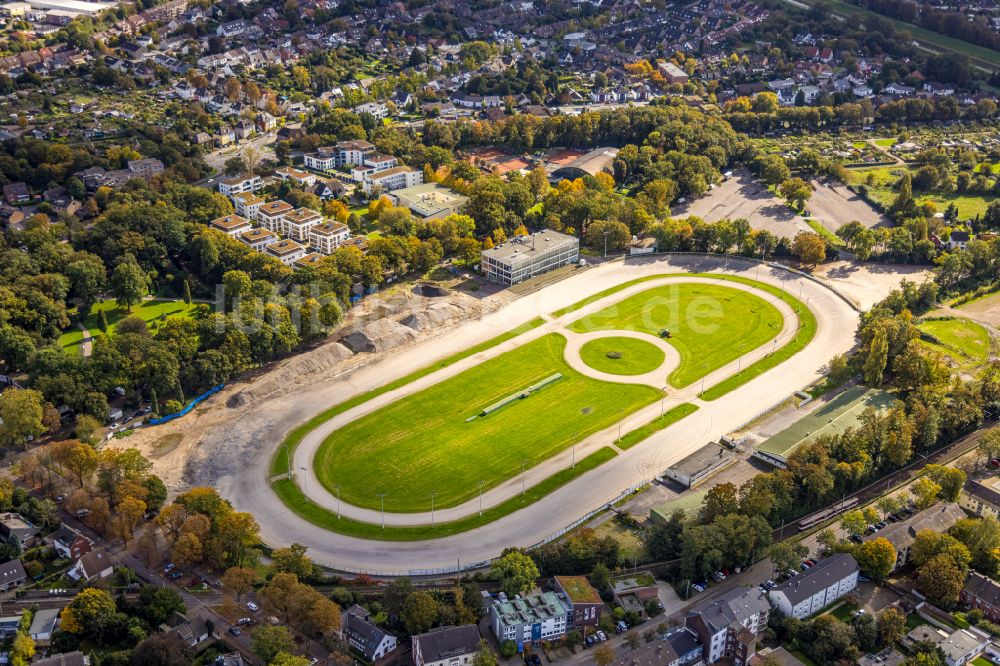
x=622 y=356
x=437 y=439
x=710 y=325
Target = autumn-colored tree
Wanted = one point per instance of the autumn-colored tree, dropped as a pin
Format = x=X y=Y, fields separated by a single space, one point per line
x=100 y=515
x=171 y=519
x=941 y=580
x=877 y=558
x=186 y=550
x=292 y=560
x=128 y=513
x=809 y=247
x=238 y=580
x=82 y=461
x=88 y=613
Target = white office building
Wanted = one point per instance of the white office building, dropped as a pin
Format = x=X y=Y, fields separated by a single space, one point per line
x=524 y=257
x=395 y=178
x=328 y=236
x=531 y=619
x=238 y=184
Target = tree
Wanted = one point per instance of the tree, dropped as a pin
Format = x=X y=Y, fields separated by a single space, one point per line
x=238 y=580
x=21 y=411
x=82 y=461
x=485 y=656
x=129 y=284
x=633 y=640
x=878 y=356
x=854 y=522
x=786 y=555
x=891 y=624
x=941 y=580
x=925 y=492
x=420 y=612
x=604 y=655
x=809 y=247
x=796 y=191
x=268 y=641
x=293 y=560
x=22 y=649
x=772 y=169
x=88 y=613
x=86 y=427
x=516 y=572
x=877 y=558
x=159 y=603
x=285 y=659
x=950 y=479
x=188 y=549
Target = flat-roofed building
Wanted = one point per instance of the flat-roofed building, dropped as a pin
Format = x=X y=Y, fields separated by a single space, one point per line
x=393 y=179
x=309 y=259
x=524 y=257
x=238 y=184
x=75 y=6
x=328 y=236
x=817 y=587
x=299 y=222
x=258 y=238
x=287 y=251
x=247 y=204
x=231 y=225
x=353 y=152
x=297 y=176
x=429 y=200
x=324 y=159
x=531 y=619
x=700 y=465
x=584 y=598
x=272 y=215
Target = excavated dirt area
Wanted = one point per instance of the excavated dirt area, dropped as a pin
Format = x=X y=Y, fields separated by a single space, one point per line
x=249 y=417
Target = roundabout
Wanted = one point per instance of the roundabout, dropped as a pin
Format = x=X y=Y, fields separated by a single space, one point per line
x=376 y=470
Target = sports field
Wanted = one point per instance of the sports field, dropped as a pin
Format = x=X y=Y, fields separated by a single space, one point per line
x=436 y=440
x=710 y=325
x=834 y=417
x=622 y=356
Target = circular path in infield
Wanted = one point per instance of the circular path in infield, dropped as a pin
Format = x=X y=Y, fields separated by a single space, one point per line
x=249 y=489
x=666 y=356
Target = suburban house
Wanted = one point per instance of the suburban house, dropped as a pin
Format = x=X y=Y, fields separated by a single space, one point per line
x=817 y=587
x=238 y=184
x=12 y=575
x=14 y=524
x=632 y=591
x=584 y=598
x=983 y=593
x=75 y=658
x=959 y=240
x=728 y=627
x=69 y=543
x=9 y=626
x=146 y=168
x=446 y=646
x=901 y=535
x=981 y=497
x=190 y=631
x=365 y=636
x=531 y=618
x=963 y=646
x=328 y=236
x=43 y=625
x=16 y=193
x=231 y=225
x=678 y=648
x=94 y=564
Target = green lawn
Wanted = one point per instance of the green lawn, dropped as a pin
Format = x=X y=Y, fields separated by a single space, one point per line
x=436 y=441
x=886 y=143
x=827 y=235
x=964 y=341
x=279 y=465
x=294 y=499
x=637 y=357
x=843 y=611
x=148 y=311
x=710 y=325
x=883 y=179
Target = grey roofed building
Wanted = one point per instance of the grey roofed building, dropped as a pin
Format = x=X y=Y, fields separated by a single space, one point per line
x=837 y=570
x=591 y=164
x=700 y=464
x=887 y=657
x=12 y=574
x=963 y=645
x=938 y=518
x=737 y=605
x=445 y=644
x=43 y=624
x=365 y=636
x=75 y=658
x=524 y=257
x=13 y=523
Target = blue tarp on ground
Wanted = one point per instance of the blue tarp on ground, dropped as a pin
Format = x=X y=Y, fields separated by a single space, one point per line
x=188 y=408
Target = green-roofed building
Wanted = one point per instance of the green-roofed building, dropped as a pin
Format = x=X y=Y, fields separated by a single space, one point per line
x=532 y=618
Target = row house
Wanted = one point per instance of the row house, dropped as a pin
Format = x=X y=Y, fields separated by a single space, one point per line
x=983 y=593
x=817 y=587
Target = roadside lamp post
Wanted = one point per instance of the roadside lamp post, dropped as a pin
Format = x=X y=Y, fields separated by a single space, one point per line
x=337 y=487
x=523 y=463
x=481 y=484
x=433 y=494
x=381 y=497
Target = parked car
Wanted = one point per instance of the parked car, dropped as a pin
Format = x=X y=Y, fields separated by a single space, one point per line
x=235 y=631
x=168 y=568
x=603 y=636
x=856 y=538
x=244 y=620
x=252 y=606
x=881 y=524
x=175 y=575
x=864 y=579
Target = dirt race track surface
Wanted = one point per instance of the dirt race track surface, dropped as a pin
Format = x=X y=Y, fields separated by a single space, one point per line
x=230 y=440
